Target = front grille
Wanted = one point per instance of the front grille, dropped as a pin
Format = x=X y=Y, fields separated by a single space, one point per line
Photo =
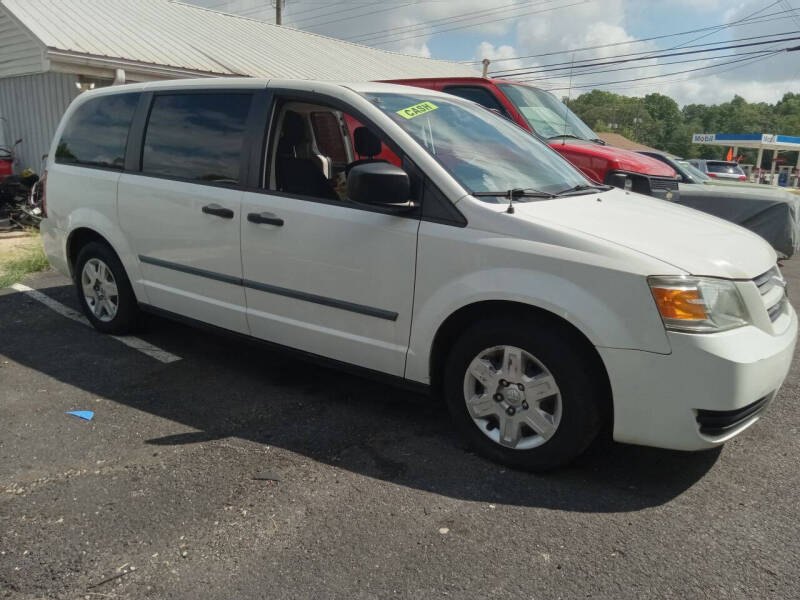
x=772 y=286
x=663 y=184
x=765 y=281
x=718 y=422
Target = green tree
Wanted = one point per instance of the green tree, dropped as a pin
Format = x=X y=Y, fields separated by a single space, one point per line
x=656 y=120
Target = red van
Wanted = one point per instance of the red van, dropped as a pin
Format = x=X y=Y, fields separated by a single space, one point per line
x=541 y=113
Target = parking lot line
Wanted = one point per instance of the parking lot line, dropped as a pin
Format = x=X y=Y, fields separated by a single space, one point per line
x=65 y=311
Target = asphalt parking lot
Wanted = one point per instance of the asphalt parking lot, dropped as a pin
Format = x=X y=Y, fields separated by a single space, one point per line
x=377 y=497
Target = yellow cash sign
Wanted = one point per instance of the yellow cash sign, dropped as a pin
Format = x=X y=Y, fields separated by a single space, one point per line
x=417 y=110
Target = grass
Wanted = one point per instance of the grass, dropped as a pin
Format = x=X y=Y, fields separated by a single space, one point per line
x=18 y=262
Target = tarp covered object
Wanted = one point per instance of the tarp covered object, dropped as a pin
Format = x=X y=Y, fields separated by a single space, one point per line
x=771 y=213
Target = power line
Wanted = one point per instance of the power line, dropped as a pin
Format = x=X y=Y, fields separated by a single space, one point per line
x=463 y=16
x=479 y=24
x=651 y=77
x=380 y=10
x=269 y=5
x=789 y=6
x=682 y=79
x=326 y=6
x=422 y=28
x=737 y=21
x=762 y=19
x=647 y=56
x=635 y=67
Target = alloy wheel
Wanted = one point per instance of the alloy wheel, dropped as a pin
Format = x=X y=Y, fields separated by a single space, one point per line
x=512 y=397
x=100 y=289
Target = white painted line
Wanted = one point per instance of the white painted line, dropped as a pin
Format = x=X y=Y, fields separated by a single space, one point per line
x=65 y=311
x=147 y=348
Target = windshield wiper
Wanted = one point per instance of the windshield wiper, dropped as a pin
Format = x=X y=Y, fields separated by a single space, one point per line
x=512 y=194
x=599 y=141
x=583 y=187
x=565 y=135
x=515 y=193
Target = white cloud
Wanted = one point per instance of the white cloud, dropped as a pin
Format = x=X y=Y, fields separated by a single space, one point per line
x=502 y=57
x=416 y=50
x=409 y=29
x=606 y=24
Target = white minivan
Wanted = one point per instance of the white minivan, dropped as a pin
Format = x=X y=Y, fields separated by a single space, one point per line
x=422 y=238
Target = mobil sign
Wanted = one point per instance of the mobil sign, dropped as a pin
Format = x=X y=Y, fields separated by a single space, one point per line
x=703 y=138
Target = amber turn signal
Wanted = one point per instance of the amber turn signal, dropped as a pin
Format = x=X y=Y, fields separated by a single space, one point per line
x=679 y=304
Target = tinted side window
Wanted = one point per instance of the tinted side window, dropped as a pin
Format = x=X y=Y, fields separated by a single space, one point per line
x=477 y=94
x=97 y=132
x=196 y=136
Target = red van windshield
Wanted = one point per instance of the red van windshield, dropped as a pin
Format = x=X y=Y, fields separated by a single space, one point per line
x=545 y=114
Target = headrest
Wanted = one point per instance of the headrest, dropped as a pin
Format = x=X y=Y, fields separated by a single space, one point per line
x=294 y=130
x=366 y=142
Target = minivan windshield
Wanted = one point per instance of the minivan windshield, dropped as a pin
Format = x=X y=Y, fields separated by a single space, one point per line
x=546 y=115
x=484 y=152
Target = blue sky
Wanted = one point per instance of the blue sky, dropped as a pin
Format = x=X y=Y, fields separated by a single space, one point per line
x=504 y=29
x=646 y=19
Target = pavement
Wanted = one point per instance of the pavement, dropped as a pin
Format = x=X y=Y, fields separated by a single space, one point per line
x=158 y=496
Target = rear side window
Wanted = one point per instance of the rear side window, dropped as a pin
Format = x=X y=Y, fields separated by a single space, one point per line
x=477 y=94
x=97 y=132
x=196 y=136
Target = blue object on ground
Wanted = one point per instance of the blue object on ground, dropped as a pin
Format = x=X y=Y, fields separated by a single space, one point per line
x=83 y=414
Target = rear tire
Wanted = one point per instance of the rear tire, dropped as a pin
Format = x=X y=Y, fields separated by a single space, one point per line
x=104 y=291
x=525 y=392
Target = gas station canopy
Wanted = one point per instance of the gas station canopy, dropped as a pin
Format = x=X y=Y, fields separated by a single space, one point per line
x=759 y=141
x=764 y=141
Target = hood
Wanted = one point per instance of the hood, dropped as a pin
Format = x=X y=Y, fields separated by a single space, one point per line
x=618 y=158
x=748 y=190
x=746 y=185
x=690 y=240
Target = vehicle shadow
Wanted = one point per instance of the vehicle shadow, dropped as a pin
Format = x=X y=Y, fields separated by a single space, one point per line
x=226 y=389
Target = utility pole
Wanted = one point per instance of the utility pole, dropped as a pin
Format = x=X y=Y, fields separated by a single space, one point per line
x=278 y=6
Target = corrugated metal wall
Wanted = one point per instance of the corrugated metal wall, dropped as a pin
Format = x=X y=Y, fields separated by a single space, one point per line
x=31 y=107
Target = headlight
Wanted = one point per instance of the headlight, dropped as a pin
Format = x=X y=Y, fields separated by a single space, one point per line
x=698 y=304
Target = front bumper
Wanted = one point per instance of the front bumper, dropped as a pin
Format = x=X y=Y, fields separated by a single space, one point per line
x=708 y=390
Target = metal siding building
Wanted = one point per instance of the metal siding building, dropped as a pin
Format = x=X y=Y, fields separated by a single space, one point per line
x=49 y=48
x=31 y=106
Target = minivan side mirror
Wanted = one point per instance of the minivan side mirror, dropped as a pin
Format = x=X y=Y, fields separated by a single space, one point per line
x=378 y=183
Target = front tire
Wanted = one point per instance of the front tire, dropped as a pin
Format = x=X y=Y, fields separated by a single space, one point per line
x=525 y=392
x=104 y=291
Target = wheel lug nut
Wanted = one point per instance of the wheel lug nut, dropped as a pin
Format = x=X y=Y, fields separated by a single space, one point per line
x=498 y=397
x=524 y=405
x=504 y=383
x=520 y=387
x=510 y=411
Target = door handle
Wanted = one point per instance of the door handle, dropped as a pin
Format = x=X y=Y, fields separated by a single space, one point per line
x=218 y=211
x=265 y=218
